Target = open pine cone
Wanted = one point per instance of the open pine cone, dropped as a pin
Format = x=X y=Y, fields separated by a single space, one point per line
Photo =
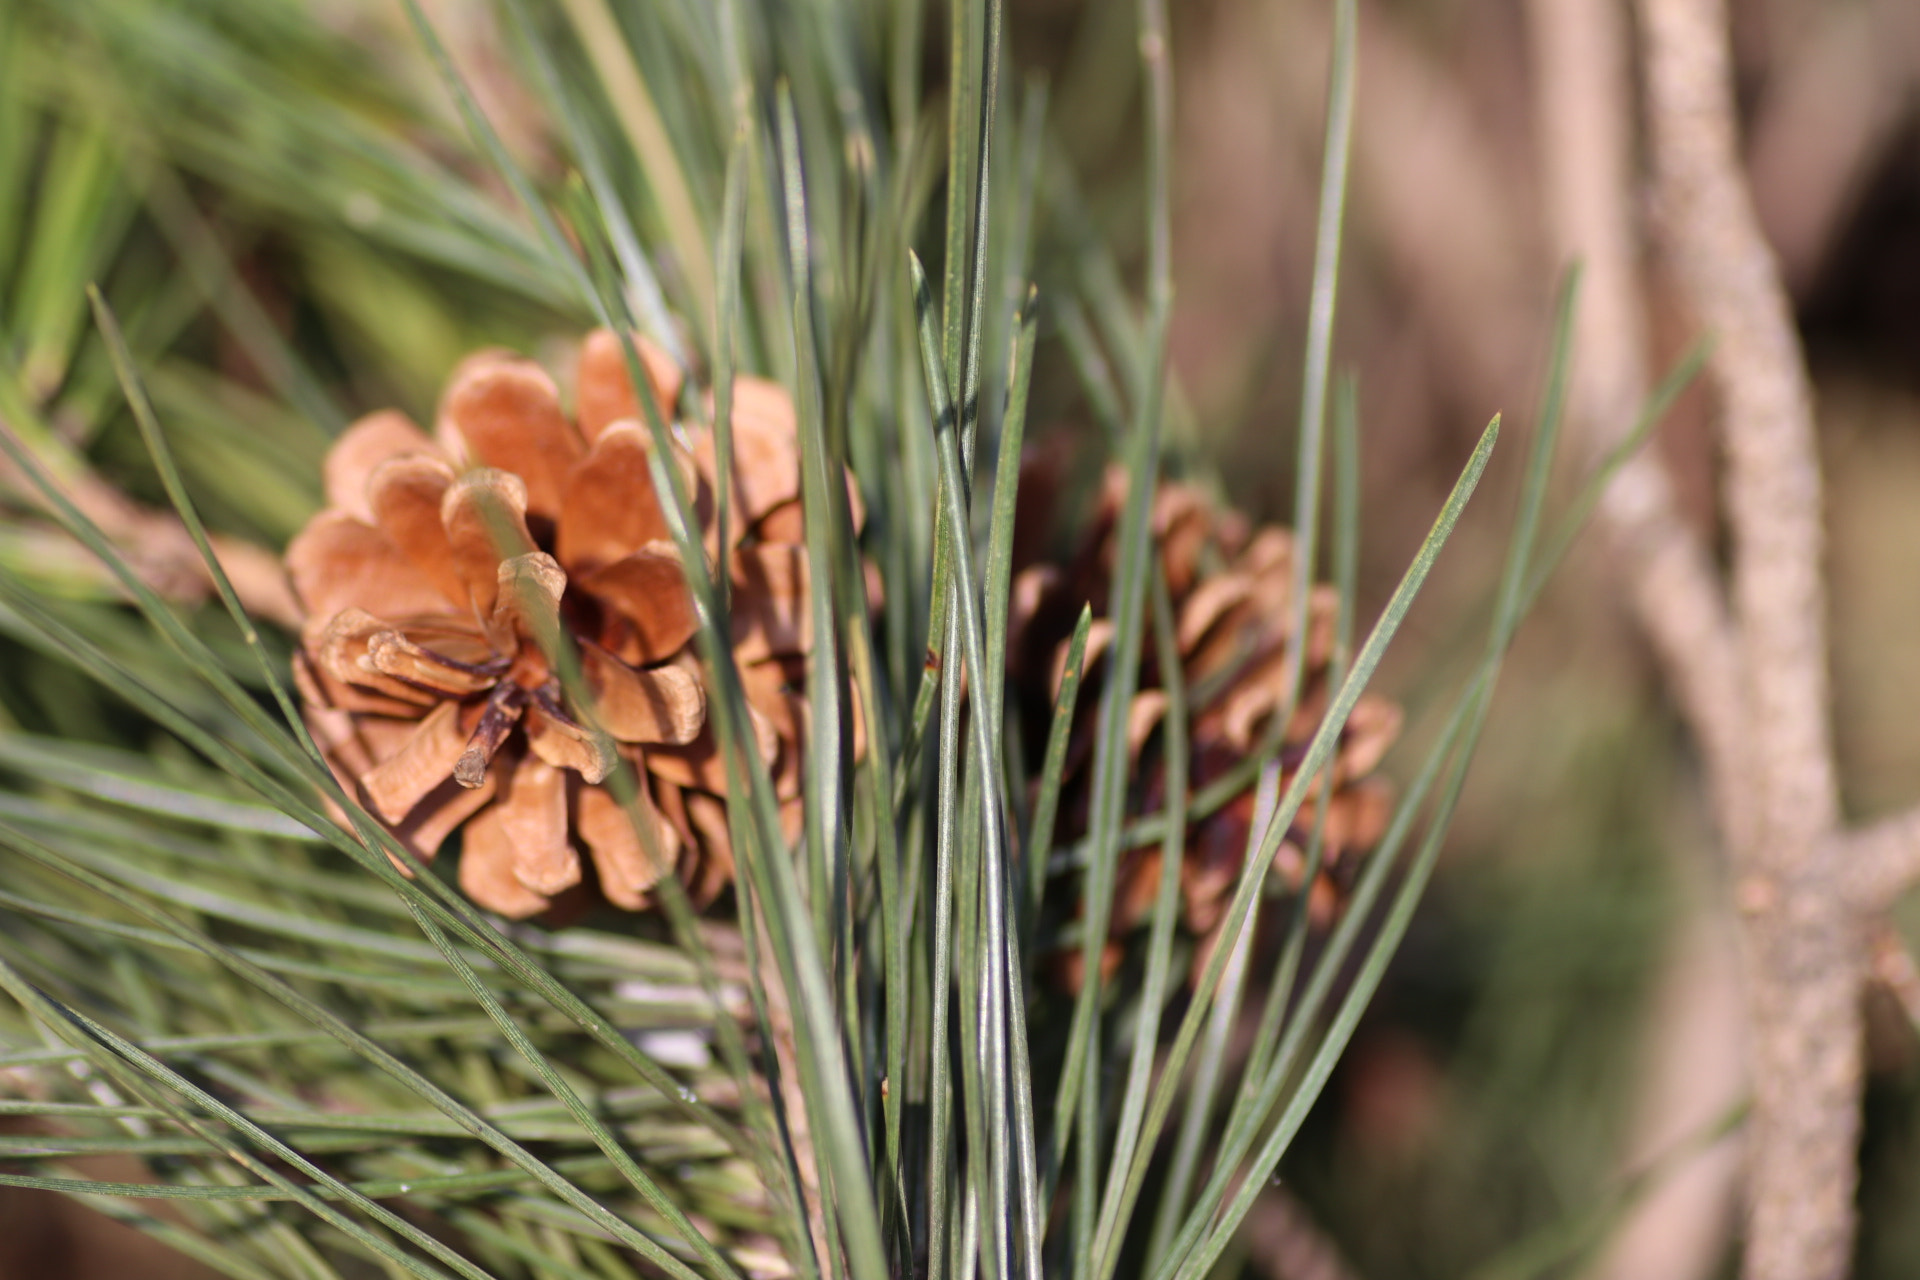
x=442 y=571
x=1232 y=590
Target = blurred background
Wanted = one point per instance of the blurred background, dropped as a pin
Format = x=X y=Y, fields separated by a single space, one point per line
x=1543 y=1085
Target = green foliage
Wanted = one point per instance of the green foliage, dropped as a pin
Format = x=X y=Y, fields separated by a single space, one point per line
x=325 y=1059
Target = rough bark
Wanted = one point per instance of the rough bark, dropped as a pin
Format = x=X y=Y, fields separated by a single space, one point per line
x=1803 y=944
x=1747 y=659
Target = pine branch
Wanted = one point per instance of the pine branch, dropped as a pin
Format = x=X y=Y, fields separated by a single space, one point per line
x=1879 y=862
x=1746 y=662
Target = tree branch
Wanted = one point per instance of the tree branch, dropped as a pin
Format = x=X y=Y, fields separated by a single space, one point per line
x=1585 y=112
x=1751 y=680
x=1879 y=863
x=1696 y=1060
x=1804 y=944
x=1773 y=472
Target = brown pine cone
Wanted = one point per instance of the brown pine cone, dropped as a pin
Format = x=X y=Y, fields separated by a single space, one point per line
x=1232 y=589
x=441 y=572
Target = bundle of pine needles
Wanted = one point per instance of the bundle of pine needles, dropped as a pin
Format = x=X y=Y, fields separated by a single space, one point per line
x=244 y=1013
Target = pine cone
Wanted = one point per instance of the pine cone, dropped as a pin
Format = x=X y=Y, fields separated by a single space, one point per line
x=1232 y=590
x=440 y=574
